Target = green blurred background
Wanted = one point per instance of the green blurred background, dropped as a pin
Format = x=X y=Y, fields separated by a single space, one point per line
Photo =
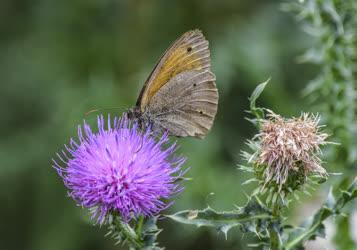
x=60 y=59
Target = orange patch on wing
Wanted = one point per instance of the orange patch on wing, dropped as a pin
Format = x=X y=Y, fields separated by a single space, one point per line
x=178 y=61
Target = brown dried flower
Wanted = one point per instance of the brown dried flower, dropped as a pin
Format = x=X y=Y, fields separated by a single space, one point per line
x=290 y=146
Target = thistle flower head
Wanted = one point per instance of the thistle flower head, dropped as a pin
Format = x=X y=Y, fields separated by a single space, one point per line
x=290 y=147
x=120 y=169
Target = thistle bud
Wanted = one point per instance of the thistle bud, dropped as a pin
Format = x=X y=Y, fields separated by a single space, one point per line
x=287 y=152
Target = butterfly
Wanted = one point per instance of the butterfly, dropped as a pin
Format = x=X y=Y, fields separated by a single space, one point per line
x=180 y=95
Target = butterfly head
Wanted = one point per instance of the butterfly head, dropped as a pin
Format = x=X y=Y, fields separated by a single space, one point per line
x=133 y=114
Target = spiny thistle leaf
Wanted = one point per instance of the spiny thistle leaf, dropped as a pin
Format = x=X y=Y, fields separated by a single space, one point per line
x=253 y=217
x=313 y=227
x=150 y=231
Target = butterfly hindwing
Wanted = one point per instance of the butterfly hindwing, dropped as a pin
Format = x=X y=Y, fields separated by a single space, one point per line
x=187 y=104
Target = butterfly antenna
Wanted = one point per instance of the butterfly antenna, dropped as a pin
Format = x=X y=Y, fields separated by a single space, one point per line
x=91 y=111
x=99 y=109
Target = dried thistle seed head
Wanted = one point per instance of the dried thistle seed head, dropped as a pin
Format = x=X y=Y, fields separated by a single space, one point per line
x=290 y=146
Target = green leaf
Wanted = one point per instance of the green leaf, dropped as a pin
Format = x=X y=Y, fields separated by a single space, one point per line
x=258 y=112
x=253 y=217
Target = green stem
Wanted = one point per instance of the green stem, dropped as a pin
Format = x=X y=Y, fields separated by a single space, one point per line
x=273 y=231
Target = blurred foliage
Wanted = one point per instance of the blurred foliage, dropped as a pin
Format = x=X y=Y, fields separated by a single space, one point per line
x=313 y=227
x=334 y=90
x=60 y=59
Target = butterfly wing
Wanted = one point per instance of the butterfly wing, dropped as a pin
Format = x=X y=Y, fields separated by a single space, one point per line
x=180 y=94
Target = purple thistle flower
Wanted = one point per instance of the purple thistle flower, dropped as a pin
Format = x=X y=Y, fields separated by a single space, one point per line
x=120 y=169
